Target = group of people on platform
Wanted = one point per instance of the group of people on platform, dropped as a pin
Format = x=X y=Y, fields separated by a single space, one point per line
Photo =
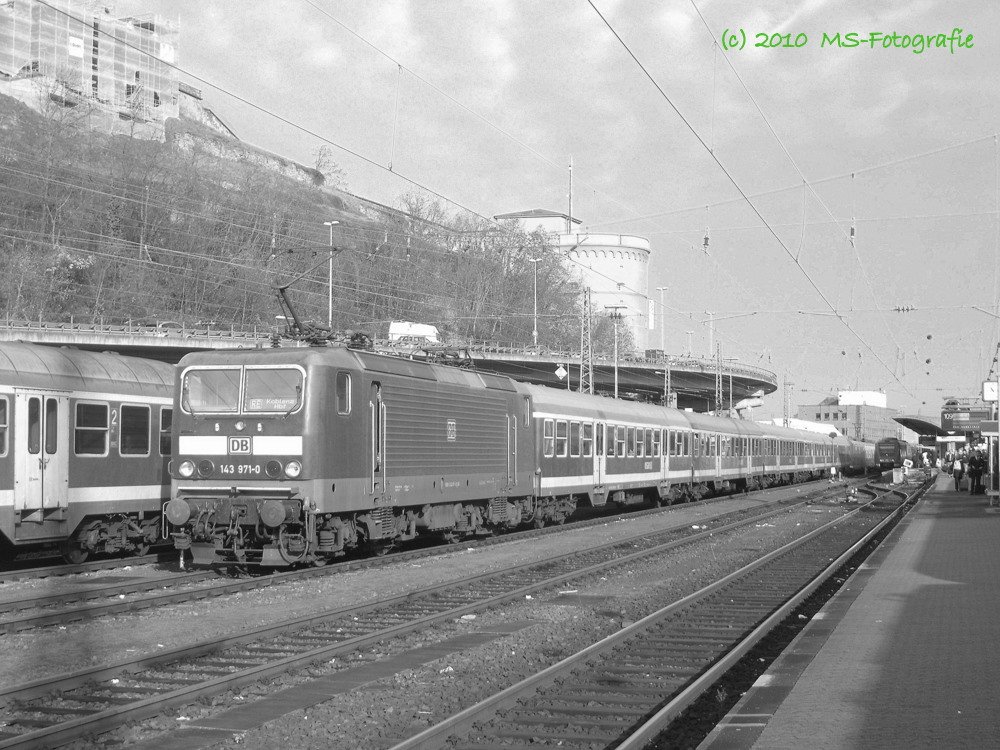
x=971 y=462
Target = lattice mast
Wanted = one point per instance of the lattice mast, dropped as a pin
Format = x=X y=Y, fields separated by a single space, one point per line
x=586 y=346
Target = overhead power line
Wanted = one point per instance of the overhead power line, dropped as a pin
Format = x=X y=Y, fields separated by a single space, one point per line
x=741 y=191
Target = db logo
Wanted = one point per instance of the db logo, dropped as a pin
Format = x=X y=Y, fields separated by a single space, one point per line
x=239 y=445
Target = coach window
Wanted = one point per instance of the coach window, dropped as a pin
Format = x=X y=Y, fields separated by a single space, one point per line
x=548 y=438
x=619 y=440
x=574 y=439
x=51 y=426
x=630 y=442
x=91 y=433
x=34 y=426
x=133 y=439
x=656 y=443
x=561 y=438
x=166 y=423
x=649 y=442
x=587 y=440
x=3 y=426
x=343 y=393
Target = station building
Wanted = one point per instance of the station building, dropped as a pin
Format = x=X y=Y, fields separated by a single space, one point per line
x=859 y=415
x=615 y=267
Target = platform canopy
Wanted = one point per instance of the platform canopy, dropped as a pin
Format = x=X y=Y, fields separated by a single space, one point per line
x=921 y=426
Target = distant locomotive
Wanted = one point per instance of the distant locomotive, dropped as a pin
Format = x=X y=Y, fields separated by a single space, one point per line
x=891 y=452
x=84 y=445
x=297 y=455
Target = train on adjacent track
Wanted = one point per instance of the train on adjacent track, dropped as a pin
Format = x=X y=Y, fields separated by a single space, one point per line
x=84 y=449
x=298 y=455
x=892 y=452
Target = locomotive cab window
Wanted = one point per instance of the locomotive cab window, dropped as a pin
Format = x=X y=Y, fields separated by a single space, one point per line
x=211 y=391
x=272 y=389
x=343 y=393
x=91 y=431
x=133 y=438
x=3 y=425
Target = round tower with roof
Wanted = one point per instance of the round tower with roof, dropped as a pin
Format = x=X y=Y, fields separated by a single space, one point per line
x=614 y=266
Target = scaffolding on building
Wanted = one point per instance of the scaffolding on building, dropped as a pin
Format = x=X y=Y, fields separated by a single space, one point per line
x=82 y=56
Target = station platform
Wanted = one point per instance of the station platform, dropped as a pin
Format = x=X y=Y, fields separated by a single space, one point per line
x=906 y=655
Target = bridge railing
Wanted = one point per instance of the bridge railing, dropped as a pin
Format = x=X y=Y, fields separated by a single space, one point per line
x=136 y=328
x=211 y=330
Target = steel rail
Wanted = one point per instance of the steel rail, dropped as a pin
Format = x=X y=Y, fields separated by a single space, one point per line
x=437 y=735
x=108 y=719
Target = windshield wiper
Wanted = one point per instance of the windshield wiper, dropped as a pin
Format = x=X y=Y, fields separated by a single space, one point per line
x=298 y=401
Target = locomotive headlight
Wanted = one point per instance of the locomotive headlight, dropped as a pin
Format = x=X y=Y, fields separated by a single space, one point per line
x=293 y=469
x=205 y=468
x=240 y=426
x=186 y=469
x=273 y=469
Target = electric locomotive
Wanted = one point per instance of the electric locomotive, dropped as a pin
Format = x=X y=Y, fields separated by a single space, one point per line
x=84 y=446
x=891 y=452
x=297 y=455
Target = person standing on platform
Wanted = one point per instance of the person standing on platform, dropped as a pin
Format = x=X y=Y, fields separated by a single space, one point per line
x=958 y=471
x=975 y=473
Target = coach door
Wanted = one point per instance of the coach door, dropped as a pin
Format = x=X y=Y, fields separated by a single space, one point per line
x=600 y=456
x=376 y=447
x=41 y=451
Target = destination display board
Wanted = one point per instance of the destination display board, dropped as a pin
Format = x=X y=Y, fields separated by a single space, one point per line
x=964 y=420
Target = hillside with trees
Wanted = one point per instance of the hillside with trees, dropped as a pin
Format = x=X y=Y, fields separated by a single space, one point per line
x=102 y=228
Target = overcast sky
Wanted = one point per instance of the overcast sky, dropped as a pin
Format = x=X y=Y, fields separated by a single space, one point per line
x=494 y=98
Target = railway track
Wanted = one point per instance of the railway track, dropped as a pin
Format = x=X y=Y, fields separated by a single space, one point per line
x=54 y=711
x=30 y=570
x=89 y=598
x=625 y=690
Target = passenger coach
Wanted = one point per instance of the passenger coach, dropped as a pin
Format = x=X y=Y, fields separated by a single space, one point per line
x=84 y=444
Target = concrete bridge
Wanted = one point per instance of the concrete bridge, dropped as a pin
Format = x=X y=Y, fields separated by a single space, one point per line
x=692 y=379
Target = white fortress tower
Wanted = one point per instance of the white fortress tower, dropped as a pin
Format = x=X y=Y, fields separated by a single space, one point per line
x=614 y=266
